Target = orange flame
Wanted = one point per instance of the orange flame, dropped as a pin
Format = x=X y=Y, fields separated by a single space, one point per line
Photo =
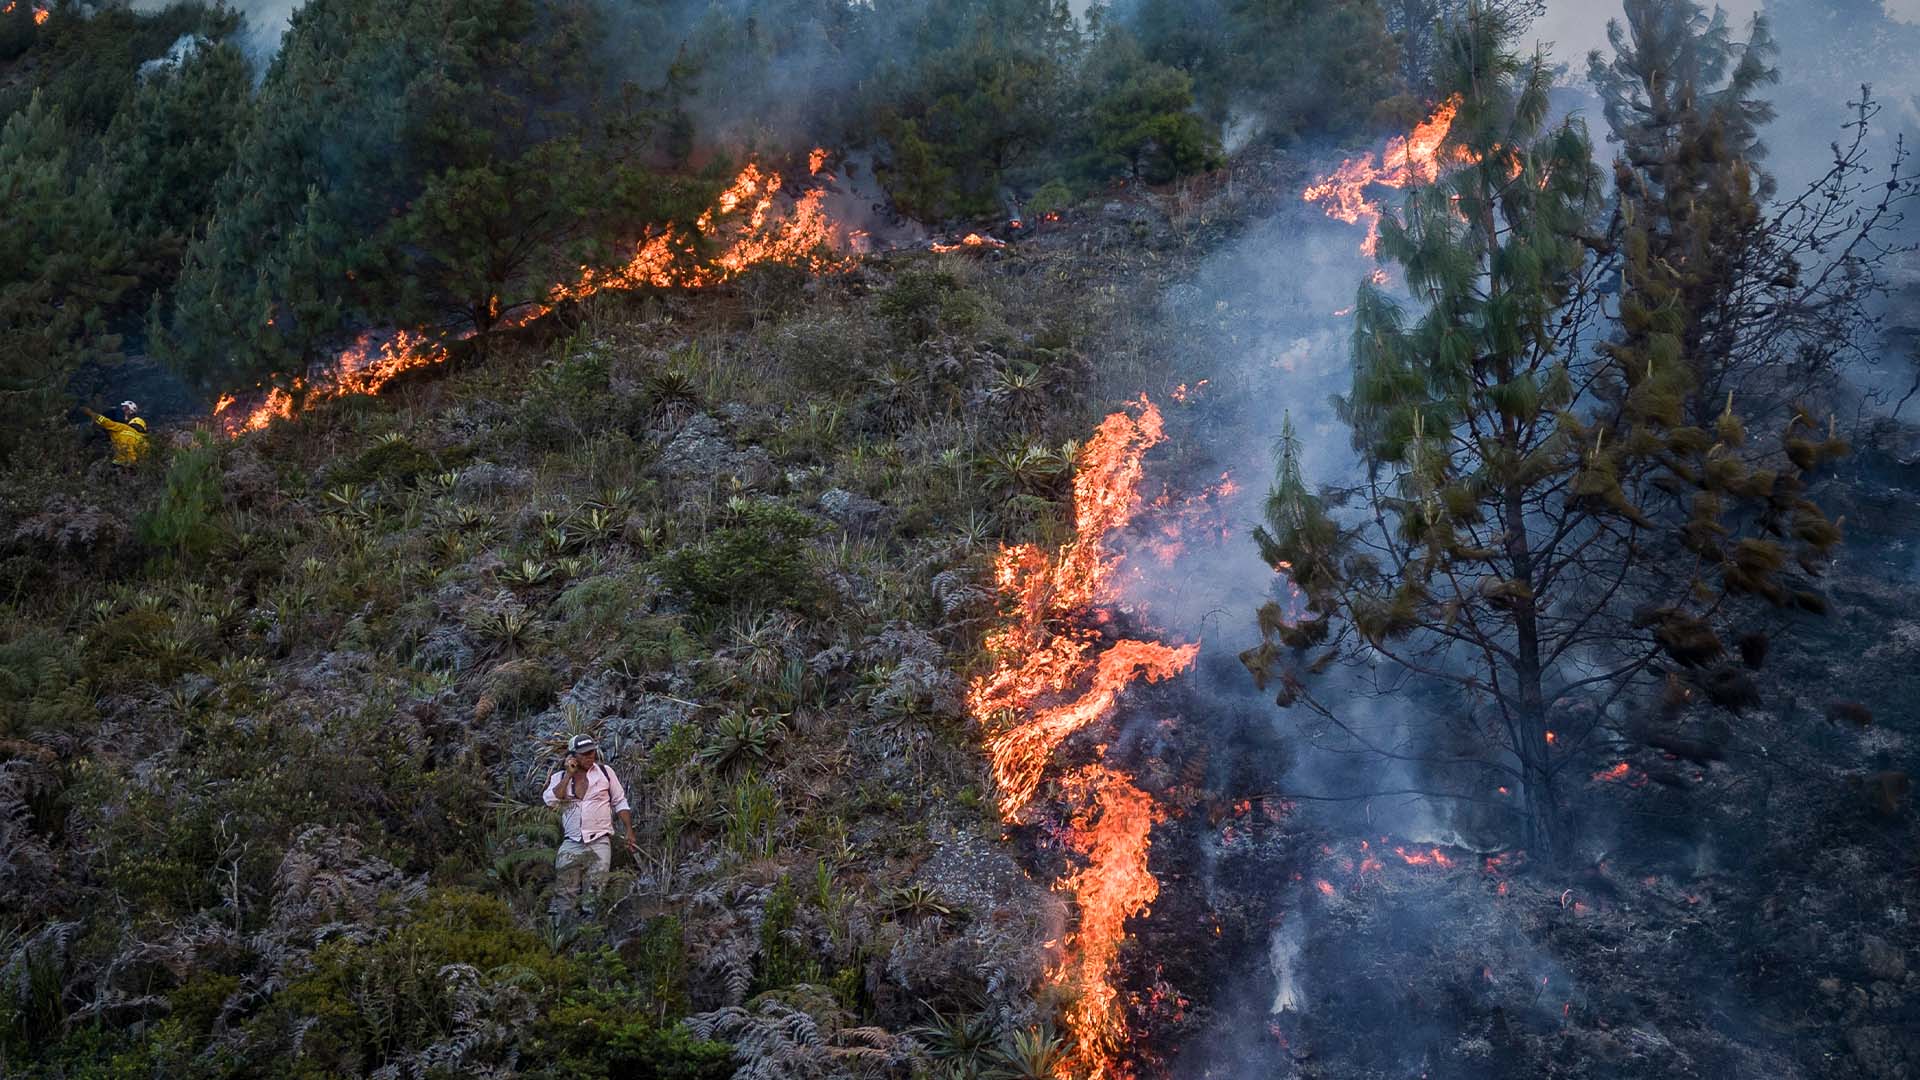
x=971 y=240
x=1110 y=828
x=1053 y=676
x=1430 y=857
x=803 y=236
x=1410 y=160
x=1621 y=773
x=364 y=367
x=1184 y=393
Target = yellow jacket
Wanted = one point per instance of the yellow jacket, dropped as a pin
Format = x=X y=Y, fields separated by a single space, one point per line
x=129 y=439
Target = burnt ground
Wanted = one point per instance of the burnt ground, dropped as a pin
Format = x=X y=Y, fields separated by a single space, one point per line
x=1753 y=916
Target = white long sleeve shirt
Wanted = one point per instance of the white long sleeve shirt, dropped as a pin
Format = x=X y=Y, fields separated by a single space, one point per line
x=590 y=817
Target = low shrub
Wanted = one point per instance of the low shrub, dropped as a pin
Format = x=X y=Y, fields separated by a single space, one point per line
x=368 y=1003
x=921 y=304
x=182 y=523
x=758 y=559
x=390 y=462
x=602 y=1037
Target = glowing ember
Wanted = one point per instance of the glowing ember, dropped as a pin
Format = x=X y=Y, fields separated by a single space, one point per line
x=1406 y=161
x=1194 y=515
x=1430 y=857
x=1622 y=773
x=1184 y=393
x=1055 y=674
x=972 y=240
x=742 y=223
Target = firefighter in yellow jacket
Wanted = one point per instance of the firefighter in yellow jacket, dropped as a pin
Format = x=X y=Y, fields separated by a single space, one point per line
x=129 y=435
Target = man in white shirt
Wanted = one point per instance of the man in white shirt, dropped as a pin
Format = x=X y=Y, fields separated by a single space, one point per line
x=588 y=795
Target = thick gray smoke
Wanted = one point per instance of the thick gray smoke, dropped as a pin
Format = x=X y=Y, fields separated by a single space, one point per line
x=259 y=38
x=1267 y=308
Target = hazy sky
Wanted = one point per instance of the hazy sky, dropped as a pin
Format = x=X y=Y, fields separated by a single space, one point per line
x=1576 y=26
x=1573 y=27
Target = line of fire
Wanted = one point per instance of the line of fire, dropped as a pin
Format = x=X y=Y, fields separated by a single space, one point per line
x=1208 y=867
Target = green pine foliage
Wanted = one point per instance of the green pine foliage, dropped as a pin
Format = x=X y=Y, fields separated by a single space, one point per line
x=1680 y=100
x=182 y=522
x=169 y=146
x=64 y=266
x=1141 y=123
x=1513 y=466
x=443 y=165
x=435 y=165
x=1296 y=68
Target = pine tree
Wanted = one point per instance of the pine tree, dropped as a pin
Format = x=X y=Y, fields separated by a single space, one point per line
x=1140 y=120
x=1521 y=542
x=63 y=268
x=1680 y=99
x=406 y=163
x=173 y=141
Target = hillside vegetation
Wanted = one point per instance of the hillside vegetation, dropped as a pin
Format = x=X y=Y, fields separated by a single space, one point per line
x=288 y=701
x=1572 y=571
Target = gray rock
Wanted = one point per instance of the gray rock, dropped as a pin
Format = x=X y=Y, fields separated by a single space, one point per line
x=855 y=512
x=700 y=449
x=445 y=649
x=487 y=478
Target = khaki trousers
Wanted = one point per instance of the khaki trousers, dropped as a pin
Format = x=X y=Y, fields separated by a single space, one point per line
x=580 y=872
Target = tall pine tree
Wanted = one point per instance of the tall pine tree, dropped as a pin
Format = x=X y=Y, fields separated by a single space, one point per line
x=1518 y=545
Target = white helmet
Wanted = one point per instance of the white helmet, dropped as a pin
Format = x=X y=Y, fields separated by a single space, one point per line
x=130 y=406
